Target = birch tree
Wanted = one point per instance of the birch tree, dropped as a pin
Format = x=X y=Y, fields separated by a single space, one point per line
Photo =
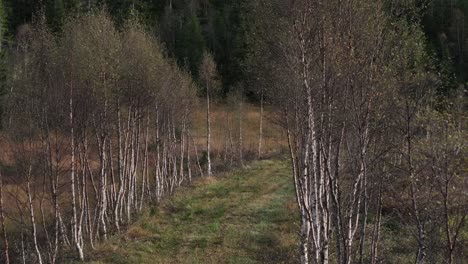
x=97 y=100
x=446 y=151
x=209 y=78
x=336 y=57
x=2 y=222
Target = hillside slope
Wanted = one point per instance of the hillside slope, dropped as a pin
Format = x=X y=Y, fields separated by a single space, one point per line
x=246 y=216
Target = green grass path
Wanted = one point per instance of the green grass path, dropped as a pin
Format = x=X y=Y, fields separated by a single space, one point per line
x=247 y=216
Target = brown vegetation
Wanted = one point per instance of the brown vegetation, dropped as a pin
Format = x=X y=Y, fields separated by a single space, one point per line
x=100 y=124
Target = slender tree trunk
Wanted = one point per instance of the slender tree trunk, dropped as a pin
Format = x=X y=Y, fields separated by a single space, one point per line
x=54 y=187
x=197 y=157
x=305 y=224
x=376 y=229
x=305 y=233
x=364 y=193
x=189 y=165
x=260 y=132
x=144 y=169
x=23 y=253
x=208 y=130
x=32 y=217
x=120 y=170
x=182 y=149
x=2 y=221
x=76 y=239
x=103 y=194
x=241 y=144
x=421 y=233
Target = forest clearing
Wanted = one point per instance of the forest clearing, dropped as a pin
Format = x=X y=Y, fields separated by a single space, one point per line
x=249 y=131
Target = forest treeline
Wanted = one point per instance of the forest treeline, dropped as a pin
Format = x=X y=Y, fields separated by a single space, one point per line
x=378 y=153
x=188 y=27
x=98 y=120
x=97 y=125
x=98 y=102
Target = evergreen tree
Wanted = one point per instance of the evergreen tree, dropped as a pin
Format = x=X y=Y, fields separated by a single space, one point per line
x=2 y=71
x=190 y=44
x=2 y=23
x=446 y=26
x=119 y=9
x=55 y=14
x=20 y=12
x=74 y=6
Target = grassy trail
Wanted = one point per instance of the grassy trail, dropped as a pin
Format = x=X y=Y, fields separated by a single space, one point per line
x=249 y=216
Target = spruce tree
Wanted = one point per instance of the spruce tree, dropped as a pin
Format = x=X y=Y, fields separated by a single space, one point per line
x=2 y=60
x=55 y=14
x=74 y=6
x=190 y=44
x=2 y=23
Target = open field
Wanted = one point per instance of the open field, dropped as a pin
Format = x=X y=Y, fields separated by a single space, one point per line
x=226 y=118
x=225 y=156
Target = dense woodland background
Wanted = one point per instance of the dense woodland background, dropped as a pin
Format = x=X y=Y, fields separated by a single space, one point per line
x=187 y=27
x=99 y=104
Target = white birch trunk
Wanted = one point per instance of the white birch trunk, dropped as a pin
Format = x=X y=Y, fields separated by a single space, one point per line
x=32 y=218
x=260 y=132
x=75 y=234
x=208 y=130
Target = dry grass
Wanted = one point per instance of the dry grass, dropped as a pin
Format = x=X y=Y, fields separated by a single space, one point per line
x=225 y=118
x=222 y=119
